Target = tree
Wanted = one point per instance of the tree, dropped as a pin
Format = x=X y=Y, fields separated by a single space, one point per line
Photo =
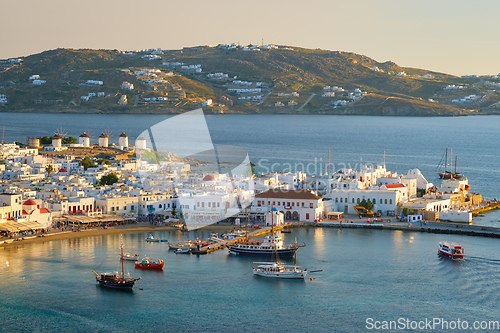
x=87 y=163
x=367 y=204
x=49 y=169
x=68 y=140
x=102 y=161
x=46 y=140
x=109 y=179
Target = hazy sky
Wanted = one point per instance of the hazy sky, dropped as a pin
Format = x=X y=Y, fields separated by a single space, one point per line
x=451 y=36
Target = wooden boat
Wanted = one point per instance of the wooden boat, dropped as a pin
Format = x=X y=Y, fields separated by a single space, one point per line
x=269 y=247
x=115 y=280
x=449 y=174
x=147 y=263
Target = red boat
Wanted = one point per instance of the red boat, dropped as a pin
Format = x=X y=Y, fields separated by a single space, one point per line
x=147 y=263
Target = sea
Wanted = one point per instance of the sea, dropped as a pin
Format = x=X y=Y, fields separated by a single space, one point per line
x=366 y=277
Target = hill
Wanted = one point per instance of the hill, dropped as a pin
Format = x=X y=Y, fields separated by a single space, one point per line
x=233 y=79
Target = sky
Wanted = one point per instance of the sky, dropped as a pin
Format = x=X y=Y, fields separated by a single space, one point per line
x=452 y=36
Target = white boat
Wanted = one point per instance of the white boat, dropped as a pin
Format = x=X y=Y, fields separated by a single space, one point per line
x=156 y=240
x=280 y=271
x=182 y=251
x=451 y=250
x=130 y=256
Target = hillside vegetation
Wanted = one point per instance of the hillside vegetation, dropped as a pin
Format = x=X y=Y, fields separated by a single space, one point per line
x=286 y=80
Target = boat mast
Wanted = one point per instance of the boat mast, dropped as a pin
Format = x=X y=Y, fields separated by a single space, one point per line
x=121 y=250
x=246 y=222
x=451 y=163
x=456 y=164
x=272 y=221
x=295 y=254
x=328 y=165
x=446 y=160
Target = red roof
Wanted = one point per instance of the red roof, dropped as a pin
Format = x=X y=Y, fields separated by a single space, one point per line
x=394 y=185
x=208 y=178
x=29 y=203
x=287 y=194
x=44 y=211
x=63 y=170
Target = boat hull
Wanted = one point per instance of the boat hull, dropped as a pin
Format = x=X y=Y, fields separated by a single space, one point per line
x=124 y=284
x=449 y=255
x=285 y=275
x=449 y=175
x=149 y=266
x=269 y=253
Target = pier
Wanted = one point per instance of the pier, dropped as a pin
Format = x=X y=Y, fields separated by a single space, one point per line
x=494 y=205
x=429 y=227
x=221 y=244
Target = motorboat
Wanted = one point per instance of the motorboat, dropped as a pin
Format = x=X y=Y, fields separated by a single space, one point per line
x=451 y=250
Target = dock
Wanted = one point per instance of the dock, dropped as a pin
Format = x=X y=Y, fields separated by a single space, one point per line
x=221 y=244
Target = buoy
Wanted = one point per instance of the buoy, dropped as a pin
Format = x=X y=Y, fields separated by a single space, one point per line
x=62 y=260
x=311 y=279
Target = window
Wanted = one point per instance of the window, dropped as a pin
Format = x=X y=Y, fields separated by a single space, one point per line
x=198 y=204
x=302 y=204
x=112 y=209
x=311 y=205
x=279 y=203
x=386 y=201
x=307 y=216
x=124 y=207
x=390 y=201
x=293 y=204
x=274 y=203
x=203 y=205
x=258 y=203
x=218 y=204
x=352 y=200
x=380 y=201
x=336 y=199
x=341 y=199
x=358 y=200
x=132 y=207
x=209 y=204
x=374 y=201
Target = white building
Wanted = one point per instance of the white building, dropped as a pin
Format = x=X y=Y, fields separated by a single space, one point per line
x=84 y=140
x=103 y=140
x=294 y=204
x=123 y=141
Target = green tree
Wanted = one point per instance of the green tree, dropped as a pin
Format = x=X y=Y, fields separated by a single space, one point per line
x=87 y=163
x=367 y=204
x=68 y=140
x=109 y=179
x=46 y=140
x=49 y=169
x=102 y=161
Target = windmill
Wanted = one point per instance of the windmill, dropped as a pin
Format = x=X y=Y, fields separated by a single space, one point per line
x=58 y=137
x=85 y=137
x=104 y=138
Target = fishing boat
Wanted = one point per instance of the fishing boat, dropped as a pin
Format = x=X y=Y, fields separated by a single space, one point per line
x=147 y=263
x=270 y=246
x=279 y=270
x=182 y=251
x=130 y=257
x=448 y=174
x=116 y=280
x=151 y=239
x=453 y=250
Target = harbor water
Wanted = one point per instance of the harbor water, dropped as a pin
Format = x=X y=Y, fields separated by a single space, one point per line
x=384 y=275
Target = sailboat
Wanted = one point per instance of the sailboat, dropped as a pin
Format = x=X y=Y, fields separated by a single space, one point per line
x=280 y=270
x=271 y=246
x=449 y=174
x=116 y=280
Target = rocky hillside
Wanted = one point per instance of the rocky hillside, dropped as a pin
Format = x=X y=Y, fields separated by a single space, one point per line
x=231 y=79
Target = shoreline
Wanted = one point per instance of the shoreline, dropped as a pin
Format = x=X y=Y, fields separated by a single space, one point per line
x=123 y=229
x=431 y=227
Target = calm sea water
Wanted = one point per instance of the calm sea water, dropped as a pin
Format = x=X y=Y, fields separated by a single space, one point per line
x=366 y=274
